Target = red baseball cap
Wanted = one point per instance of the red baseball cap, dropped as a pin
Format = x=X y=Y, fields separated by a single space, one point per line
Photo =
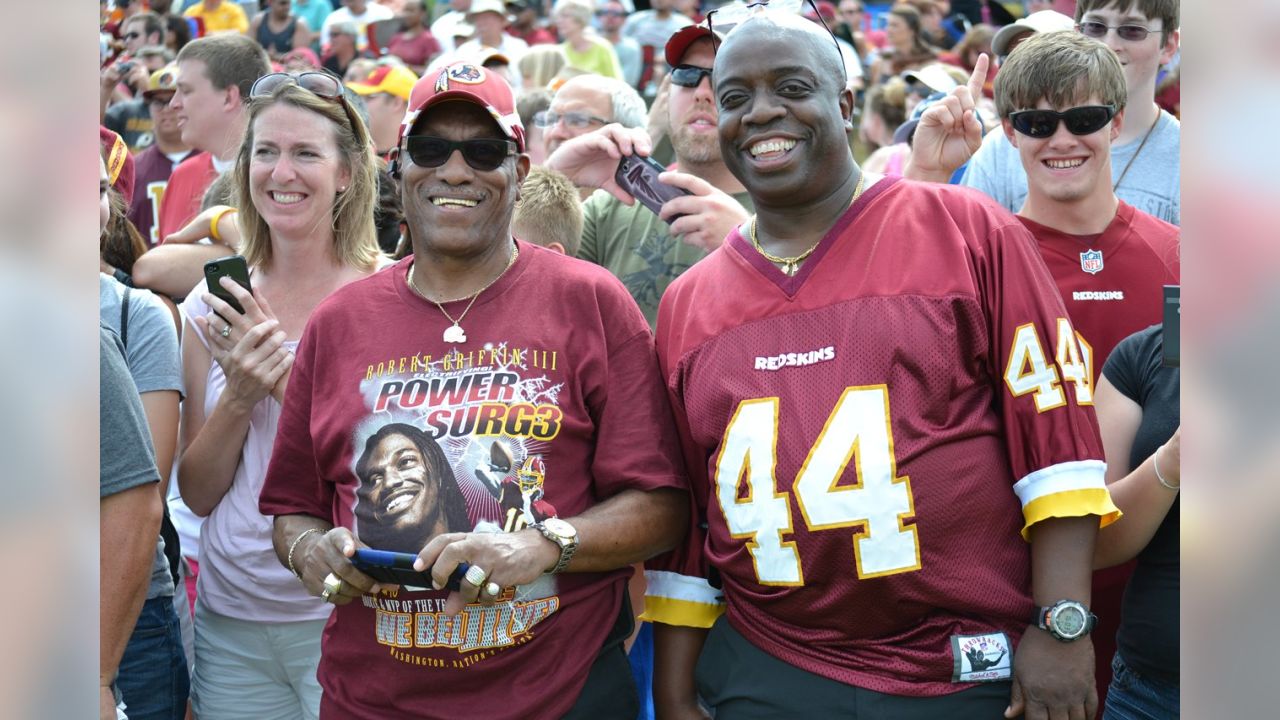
x=471 y=82
x=679 y=42
x=119 y=163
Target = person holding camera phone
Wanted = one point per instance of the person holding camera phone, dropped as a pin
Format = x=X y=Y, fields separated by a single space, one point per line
x=305 y=185
x=498 y=403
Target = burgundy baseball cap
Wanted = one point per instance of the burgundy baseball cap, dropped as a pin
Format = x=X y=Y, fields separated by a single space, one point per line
x=471 y=82
x=679 y=42
x=119 y=163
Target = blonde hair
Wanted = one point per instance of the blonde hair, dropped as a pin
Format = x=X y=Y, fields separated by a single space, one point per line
x=549 y=211
x=1062 y=67
x=540 y=64
x=355 y=240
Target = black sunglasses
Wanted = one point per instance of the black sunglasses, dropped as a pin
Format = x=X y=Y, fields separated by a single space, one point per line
x=689 y=76
x=1084 y=120
x=482 y=154
x=1098 y=31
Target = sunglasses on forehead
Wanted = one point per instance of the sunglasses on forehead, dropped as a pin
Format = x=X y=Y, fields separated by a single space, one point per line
x=729 y=17
x=320 y=84
x=482 y=154
x=1084 y=120
x=689 y=76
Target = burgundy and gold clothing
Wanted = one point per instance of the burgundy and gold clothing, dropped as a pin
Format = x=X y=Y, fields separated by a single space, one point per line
x=153 y=171
x=558 y=364
x=868 y=441
x=1111 y=283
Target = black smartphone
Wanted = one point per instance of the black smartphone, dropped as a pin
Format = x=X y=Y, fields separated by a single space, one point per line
x=639 y=176
x=232 y=266
x=397 y=568
x=1172 y=338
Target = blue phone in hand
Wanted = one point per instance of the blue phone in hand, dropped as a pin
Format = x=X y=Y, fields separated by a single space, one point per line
x=396 y=568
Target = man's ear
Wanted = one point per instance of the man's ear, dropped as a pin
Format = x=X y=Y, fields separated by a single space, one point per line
x=1117 y=124
x=847 y=103
x=1170 y=47
x=522 y=171
x=231 y=98
x=1009 y=132
x=557 y=247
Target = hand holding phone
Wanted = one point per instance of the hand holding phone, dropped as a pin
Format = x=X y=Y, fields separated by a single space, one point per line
x=396 y=568
x=234 y=267
x=639 y=176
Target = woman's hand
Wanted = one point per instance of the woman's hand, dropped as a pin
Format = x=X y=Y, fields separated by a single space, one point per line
x=248 y=347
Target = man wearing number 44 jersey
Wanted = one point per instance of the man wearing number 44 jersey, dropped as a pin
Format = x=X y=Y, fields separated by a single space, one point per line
x=900 y=486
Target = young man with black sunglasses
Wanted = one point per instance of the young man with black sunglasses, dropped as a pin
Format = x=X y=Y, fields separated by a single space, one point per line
x=875 y=425
x=1145 y=156
x=514 y=360
x=646 y=250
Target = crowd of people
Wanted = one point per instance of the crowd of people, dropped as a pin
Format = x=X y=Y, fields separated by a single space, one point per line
x=682 y=359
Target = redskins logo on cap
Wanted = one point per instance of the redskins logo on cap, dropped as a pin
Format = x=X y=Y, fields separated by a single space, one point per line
x=467 y=74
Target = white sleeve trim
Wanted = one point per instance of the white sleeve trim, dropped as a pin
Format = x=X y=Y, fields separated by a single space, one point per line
x=1063 y=477
x=675 y=586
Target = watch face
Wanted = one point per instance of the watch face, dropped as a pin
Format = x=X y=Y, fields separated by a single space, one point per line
x=1069 y=621
x=561 y=528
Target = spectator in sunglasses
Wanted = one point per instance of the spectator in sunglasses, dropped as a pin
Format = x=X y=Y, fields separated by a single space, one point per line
x=305 y=185
x=647 y=250
x=563 y=391
x=1146 y=167
x=844 y=574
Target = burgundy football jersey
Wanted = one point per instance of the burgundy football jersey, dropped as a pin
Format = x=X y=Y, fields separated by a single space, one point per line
x=868 y=440
x=1111 y=283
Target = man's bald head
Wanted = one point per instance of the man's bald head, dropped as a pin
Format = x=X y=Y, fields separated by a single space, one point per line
x=808 y=40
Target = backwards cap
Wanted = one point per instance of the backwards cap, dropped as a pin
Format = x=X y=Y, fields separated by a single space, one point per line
x=391 y=79
x=1042 y=21
x=466 y=81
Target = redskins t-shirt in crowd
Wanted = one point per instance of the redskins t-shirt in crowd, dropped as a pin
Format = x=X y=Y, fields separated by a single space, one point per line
x=550 y=404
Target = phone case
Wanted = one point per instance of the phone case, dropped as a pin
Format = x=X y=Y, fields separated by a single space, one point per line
x=396 y=567
x=234 y=267
x=639 y=176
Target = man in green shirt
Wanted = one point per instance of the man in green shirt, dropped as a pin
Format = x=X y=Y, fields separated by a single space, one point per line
x=642 y=249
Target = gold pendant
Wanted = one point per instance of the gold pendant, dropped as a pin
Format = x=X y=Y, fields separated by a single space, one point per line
x=454 y=334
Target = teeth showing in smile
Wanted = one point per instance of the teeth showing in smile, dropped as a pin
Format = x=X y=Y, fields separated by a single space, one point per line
x=1063 y=164
x=439 y=201
x=399 y=502
x=771 y=146
x=286 y=198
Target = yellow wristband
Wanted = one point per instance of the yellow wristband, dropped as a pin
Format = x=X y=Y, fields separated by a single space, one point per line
x=213 y=222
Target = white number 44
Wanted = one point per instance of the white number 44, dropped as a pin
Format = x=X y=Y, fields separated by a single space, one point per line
x=858 y=431
x=1030 y=372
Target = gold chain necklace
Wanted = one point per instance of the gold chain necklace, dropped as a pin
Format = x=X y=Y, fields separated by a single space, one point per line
x=454 y=333
x=1135 y=152
x=791 y=265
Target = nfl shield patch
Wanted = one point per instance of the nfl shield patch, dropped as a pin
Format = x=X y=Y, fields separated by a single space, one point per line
x=1091 y=261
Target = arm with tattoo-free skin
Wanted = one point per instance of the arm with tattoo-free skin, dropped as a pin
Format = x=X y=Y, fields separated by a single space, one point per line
x=1053 y=679
x=675 y=655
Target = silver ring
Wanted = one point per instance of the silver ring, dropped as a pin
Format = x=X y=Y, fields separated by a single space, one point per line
x=492 y=589
x=226 y=331
x=475 y=575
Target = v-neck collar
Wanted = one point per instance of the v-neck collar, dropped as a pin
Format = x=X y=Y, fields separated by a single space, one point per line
x=791 y=284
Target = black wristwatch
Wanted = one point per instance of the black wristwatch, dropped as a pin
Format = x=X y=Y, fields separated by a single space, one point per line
x=1065 y=620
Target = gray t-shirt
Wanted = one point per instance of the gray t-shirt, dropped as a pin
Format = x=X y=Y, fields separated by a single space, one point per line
x=153 y=363
x=1152 y=184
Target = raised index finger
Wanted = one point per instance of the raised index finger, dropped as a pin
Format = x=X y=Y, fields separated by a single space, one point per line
x=978 y=77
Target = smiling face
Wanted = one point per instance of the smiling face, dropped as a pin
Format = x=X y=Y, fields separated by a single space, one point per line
x=582 y=94
x=1067 y=168
x=399 y=491
x=782 y=110
x=200 y=107
x=295 y=171
x=1140 y=59
x=692 y=111
x=455 y=209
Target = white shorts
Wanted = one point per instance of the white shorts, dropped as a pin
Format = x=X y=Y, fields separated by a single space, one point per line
x=247 y=669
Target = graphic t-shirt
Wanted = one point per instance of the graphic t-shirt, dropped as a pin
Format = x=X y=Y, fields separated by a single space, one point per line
x=1111 y=283
x=152 y=169
x=551 y=404
x=868 y=440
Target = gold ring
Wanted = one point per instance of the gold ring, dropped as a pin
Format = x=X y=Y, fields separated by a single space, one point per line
x=475 y=575
x=326 y=595
x=332 y=585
